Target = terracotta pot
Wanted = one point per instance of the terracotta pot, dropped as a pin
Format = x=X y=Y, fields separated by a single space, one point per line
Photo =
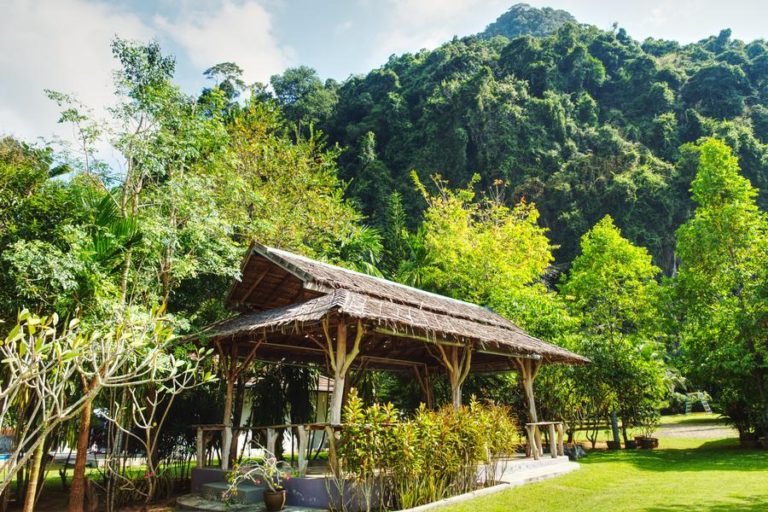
x=274 y=500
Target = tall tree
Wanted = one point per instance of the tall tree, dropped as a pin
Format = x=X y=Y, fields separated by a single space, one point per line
x=612 y=288
x=721 y=288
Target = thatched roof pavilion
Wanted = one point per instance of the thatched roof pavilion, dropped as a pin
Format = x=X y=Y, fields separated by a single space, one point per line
x=300 y=310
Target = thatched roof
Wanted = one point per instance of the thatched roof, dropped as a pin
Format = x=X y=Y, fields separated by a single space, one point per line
x=283 y=297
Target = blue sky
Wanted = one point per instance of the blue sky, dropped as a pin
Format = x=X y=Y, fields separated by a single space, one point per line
x=64 y=44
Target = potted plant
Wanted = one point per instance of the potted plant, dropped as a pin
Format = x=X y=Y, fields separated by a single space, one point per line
x=649 y=422
x=269 y=470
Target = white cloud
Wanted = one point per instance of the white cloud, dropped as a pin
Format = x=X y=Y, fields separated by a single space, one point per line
x=240 y=33
x=417 y=24
x=61 y=45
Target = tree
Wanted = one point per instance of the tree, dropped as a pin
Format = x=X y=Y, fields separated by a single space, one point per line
x=394 y=236
x=721 y=286
x=228 y=77
x=42 y=361
x=521 y=19
x=718 y=89
x=202 y=178
x=612 y=288
x=479 y=251
x=303 y=96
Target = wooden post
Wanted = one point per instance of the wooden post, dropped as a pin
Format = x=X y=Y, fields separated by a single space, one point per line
x=200 y=447
x=457 y=362
x=534 y=449
x=552 y=441
x=232 y=370
x=272 y=441
x=528 y=370
x=422 y=376
x=333 y=461
x=340 y=361
x=302 y=432
x=226 y=434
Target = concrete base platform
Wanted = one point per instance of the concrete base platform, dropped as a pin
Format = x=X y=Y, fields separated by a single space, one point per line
x=525 y=471
x=305 y=492
x=511 y=473
x=197 y=503
x=247 y=494
x=205 y=475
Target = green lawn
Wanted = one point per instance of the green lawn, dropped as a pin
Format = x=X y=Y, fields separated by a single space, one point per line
x=685 y=474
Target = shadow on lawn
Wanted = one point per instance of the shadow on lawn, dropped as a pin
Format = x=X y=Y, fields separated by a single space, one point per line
x=747 y=504
x=718 y=455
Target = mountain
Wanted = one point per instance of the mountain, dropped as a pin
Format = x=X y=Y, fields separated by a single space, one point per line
x=522 y=19
x=584 y=122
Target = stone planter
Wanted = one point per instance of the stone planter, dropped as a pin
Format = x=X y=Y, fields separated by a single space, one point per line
x=648 y=443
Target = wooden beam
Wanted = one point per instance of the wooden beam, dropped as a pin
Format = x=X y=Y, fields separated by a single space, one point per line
x=390 y=332
x=278 y=288
x=253 y=286
x=436 y=341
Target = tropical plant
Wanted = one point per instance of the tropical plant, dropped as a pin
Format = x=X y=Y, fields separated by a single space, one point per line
x=269 y=470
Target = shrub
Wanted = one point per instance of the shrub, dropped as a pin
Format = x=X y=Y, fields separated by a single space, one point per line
x=435 y=454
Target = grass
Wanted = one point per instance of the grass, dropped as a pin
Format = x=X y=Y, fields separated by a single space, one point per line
x=709 y=475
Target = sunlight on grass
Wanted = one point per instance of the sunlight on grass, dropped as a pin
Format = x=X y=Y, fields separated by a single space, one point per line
x=713 y=475
x=692 y=418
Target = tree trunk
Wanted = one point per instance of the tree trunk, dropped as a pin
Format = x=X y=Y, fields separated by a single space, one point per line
x=77 y=490
x=615 y=427
x=32 y=481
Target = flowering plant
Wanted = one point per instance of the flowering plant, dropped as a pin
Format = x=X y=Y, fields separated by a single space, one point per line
x=272 y=471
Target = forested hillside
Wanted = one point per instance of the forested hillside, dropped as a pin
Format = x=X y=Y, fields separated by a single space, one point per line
x=583 y=122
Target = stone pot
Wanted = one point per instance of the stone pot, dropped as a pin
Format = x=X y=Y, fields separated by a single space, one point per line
x=274 y=500
x=649 y=443
x=614 y=445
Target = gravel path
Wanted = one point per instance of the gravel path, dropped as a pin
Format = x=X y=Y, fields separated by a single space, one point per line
x=697 y=430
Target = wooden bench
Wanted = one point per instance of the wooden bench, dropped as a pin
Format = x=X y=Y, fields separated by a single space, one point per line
x=301 y=430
